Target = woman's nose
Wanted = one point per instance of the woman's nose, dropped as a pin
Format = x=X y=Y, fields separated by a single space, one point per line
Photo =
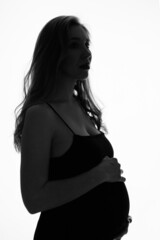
x=87 y=55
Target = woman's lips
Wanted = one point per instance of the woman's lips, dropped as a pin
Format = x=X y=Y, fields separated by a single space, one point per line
x=85 y=66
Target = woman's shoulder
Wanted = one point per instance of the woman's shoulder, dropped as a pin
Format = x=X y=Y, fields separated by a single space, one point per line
x=40 y=108
x=42 y=113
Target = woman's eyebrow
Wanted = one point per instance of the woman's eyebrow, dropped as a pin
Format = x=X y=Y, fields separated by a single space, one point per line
x=77 y=38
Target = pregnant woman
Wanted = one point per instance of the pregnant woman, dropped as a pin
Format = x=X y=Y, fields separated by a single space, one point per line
x=68 y=169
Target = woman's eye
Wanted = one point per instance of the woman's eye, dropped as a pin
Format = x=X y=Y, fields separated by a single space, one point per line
x=87 y=45
x=74 y=45
x=77 y=45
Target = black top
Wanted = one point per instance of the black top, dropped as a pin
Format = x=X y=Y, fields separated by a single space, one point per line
x=99 y=214
x=84 y=153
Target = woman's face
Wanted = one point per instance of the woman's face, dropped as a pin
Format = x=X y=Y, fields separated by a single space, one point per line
x=77 y=53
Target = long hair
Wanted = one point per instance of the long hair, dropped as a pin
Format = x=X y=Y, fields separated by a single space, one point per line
x=41 y=77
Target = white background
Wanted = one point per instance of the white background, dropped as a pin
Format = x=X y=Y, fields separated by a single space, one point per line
x=125 y=77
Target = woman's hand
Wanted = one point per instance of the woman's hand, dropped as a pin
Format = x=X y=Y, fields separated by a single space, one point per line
x=110 y=168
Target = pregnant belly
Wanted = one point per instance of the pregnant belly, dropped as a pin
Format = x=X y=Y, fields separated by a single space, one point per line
x=109 y=201
x=101 y=211
x=113 y=199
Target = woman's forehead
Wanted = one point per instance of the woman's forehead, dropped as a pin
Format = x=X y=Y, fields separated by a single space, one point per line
x=77 y=33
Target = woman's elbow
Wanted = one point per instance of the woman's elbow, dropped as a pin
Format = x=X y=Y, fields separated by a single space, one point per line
x=30 y=205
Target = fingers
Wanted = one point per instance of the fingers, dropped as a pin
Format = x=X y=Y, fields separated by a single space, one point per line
x=115 y=160
x=122 y=179
x=115 y=169
x=110 y=159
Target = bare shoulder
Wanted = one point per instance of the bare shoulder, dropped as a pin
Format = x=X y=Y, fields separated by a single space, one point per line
x=42 y=115
x=42 y=110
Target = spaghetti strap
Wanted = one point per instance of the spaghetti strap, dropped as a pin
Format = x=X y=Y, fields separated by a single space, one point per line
x=59 y=116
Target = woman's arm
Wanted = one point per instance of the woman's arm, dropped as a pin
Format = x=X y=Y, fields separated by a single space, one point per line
x=58 y=192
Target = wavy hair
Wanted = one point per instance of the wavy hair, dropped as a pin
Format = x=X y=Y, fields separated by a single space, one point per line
x=46 y=60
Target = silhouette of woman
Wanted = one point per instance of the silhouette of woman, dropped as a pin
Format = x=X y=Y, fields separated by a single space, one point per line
x=68 y=170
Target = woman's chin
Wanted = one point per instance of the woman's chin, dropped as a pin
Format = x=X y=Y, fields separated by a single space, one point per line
x=84 y=73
